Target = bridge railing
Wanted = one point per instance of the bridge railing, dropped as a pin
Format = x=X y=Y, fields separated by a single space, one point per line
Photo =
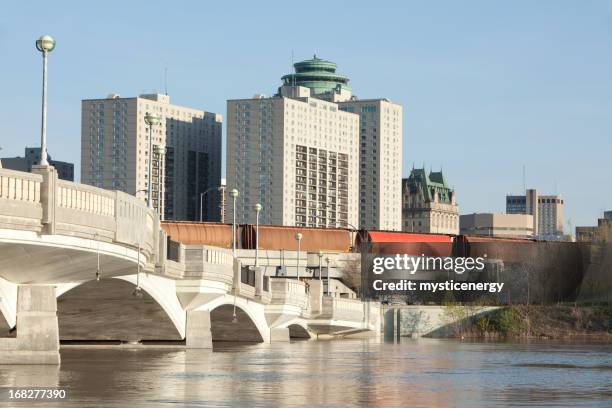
x=207 y=262
x=40 y=202
x=20 y=206
x=288 y=292
x=342 y=309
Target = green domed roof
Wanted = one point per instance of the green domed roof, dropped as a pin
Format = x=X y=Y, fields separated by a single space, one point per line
x=317 y=74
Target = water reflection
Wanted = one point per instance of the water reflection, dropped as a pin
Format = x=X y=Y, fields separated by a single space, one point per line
x=332 y=373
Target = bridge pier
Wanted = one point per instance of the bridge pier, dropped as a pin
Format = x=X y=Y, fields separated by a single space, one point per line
x=279 y=335
x=197 y=333
x=392 y=324
x=37 y=340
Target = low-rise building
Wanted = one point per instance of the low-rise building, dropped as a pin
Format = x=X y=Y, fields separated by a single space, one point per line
x=65 y=170
x=497 y=225
x=600 y=233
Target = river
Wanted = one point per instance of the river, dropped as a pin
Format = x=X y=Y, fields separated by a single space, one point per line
x=339 y=373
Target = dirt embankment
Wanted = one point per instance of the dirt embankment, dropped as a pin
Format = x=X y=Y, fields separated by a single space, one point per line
x=587 y=321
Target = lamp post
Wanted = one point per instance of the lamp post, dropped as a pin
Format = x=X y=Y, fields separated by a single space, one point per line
x=159 y=151
x=151 y=120
x=138 y=290
x=257 y=208
x=202 y=197
x=327 y=261
x=298 y=238
x=234 y=194
x=44 y=44
x=320 y=268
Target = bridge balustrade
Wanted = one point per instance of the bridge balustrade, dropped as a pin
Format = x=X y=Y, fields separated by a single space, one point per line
x=20 y=206
x=289 y=292
x=40 y=202
x=343 y=309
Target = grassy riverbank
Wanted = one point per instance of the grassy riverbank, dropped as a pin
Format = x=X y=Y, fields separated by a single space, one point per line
x=564 y=321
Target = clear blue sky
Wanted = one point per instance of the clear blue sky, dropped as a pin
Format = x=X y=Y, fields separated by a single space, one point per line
x=487 y=86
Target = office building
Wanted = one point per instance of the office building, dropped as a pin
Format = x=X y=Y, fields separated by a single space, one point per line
x=65 y=170
x=497 y=225
x=186 y=156
x=547 y=212
x=428 y=204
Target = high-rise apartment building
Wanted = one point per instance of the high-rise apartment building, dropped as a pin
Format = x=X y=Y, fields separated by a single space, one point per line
x=297 y=156
x=65 y=170
x=547 y=212
x=186 y=154
x=429 y=204
x=380 y=162
x=379 y=142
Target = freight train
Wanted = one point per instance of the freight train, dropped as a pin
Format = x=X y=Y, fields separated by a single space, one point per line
x=273 y=237
x=548 y=270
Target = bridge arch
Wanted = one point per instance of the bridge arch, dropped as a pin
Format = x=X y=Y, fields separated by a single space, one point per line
x=251 y=325
x=8 y=306
x=299 y=331
x=107 y=310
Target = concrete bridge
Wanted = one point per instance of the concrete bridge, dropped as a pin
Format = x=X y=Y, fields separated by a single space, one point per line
x=83 y=263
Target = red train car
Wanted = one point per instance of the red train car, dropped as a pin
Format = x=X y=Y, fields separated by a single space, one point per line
x=385 y=242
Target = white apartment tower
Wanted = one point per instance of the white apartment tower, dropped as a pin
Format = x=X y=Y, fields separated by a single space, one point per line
x=297 y=156
x=186 y=156
x=380 y=162
x=326 y=113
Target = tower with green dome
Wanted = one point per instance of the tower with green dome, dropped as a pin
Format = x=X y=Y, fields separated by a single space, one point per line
x=321 y=78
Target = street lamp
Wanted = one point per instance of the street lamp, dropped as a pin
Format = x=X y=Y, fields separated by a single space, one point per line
x=298 y=238
x=202 y=197
x=320 y=268
x=327 y=261
x=151 y=120
x=138 y=290
x=257 y=208
x=234 y=194
x=159 y=151
x=44 y=44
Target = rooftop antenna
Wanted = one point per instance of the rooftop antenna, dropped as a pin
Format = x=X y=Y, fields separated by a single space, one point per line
x=524 y=182
x=166 y=81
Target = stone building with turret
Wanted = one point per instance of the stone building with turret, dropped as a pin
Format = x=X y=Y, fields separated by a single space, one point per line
x=428 y=204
